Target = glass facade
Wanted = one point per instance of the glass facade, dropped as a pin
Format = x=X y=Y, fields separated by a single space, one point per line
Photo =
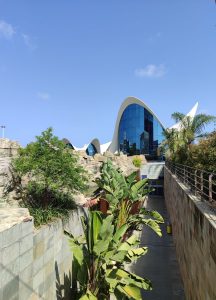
x=139 y=132
x=91 y=150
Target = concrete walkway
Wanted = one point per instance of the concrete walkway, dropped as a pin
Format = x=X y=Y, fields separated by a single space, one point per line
x=160 y=264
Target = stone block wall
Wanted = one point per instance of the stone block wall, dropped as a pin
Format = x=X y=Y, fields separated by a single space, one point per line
x=194 y=231
x=35 y=264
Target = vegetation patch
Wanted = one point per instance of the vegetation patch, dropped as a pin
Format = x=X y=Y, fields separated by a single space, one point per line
x=47 y=175
x=101 y=254
x=190 y=144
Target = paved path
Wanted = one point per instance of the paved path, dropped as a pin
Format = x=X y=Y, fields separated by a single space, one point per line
x=160 y=264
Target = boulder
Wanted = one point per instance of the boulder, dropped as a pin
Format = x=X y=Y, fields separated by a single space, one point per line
x=8 y=148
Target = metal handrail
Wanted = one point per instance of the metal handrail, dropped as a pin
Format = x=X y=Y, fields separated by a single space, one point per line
x=202 y=183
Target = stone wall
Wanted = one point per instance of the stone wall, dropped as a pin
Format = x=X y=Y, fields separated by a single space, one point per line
x=35 y=264
x=93 y=163
x=194 y=231
x=8 y=148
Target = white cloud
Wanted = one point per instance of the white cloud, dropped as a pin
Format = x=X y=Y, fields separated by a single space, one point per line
x=6 y=30
x=151 y=71
x=43 y=95
x=28 y=41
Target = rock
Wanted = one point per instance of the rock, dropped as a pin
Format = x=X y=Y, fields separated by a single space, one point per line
x=92 y=164
x=80 y=199
x=108 y=154
x=100 y=158
x=8 y=148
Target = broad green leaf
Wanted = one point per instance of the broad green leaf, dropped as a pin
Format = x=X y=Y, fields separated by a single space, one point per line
x=119 y=256
x=130 y=242
x=109 y=255
x=89 y=233
x=101 y=246
x=88 y=296
x=112 y=283
x=153 y=225
x=156 y=215
x=120 y=233
x=96 y=225
x=131 y=178
x=82 y=274
x=77 y=251
x=138 y=185
x=106 y=229
x=104 y=236
x=121 y=273
x=132 y=292
x=134 y=254
x=140 y=282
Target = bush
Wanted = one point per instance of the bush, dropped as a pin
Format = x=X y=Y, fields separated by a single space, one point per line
x=137 y=161
x=53 y=176
x=203 y=155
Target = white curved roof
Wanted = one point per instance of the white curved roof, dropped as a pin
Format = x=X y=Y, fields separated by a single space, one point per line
x=128 y=101
x=105 y=147
x=113 y=146
x=94 y=142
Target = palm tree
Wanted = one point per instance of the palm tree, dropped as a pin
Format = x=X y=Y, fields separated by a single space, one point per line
x=178 y=141
x=171 y=142
x=193 y=128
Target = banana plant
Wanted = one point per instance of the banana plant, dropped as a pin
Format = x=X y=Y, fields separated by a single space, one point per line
x=99 y=258
x=121 y=192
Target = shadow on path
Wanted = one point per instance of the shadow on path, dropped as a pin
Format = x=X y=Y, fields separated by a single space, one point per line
x=160 y=264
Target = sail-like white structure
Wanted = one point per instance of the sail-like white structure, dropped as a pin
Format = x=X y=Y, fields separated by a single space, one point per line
x=191 y=114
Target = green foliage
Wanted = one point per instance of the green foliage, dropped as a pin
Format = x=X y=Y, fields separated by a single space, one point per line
x=203 y=155
x=137 y=161
x=44 y=216
x=122 y=193
x=177 y=144
x=100 y=256
x=148 y=218
x=52 y=174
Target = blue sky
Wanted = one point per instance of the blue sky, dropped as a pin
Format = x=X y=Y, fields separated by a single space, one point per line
x=70 y=64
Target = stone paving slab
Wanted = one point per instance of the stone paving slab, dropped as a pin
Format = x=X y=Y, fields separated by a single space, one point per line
x=160 y=264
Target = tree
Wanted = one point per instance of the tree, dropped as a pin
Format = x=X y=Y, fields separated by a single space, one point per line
x=177 y=143
x=53 y=171
x=193 y=128
x=203 y=154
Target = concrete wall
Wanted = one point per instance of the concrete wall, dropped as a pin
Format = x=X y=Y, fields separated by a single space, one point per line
x=194 y=231
x=35 y=264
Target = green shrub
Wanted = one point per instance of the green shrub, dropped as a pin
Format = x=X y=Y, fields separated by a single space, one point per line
x=54 y=175
x=43 y=216
x=137 y=161
x=203 y=155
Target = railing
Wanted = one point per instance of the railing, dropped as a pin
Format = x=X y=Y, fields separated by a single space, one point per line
x=200 y=182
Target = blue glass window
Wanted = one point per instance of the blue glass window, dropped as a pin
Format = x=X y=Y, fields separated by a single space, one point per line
x=91 y=150
x=139 y=132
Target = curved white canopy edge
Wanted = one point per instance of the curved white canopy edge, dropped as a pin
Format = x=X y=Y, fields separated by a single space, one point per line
x=191 y=114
